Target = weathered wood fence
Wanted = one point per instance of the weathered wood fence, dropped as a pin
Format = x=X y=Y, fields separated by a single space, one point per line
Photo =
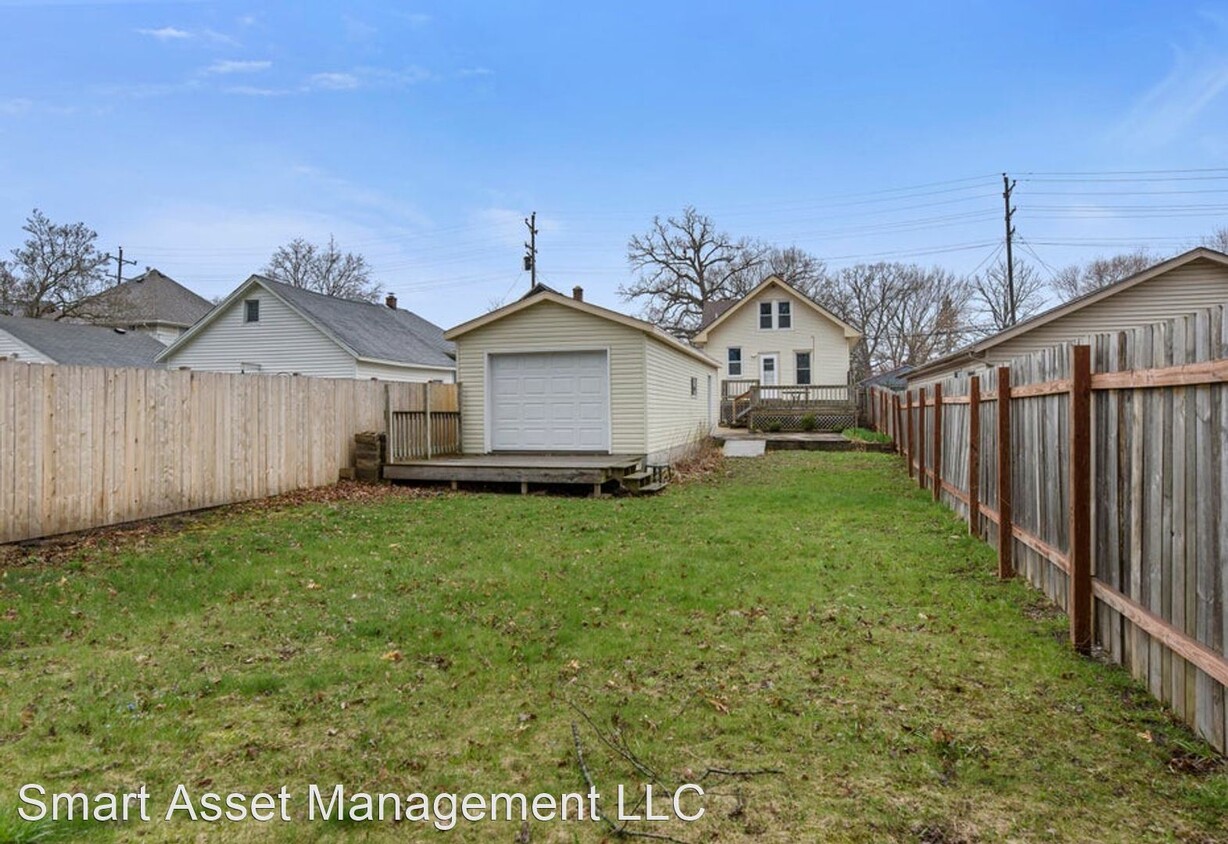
x=1110 y=494
x=82 y=447
x=423 y=422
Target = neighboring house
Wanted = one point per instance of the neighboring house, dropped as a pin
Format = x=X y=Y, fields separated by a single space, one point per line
x=152 y=303
x=1191 y=281
x=777 y=336
x=892 y=379
x=552 y=373
x=269 y=326
x=52 y=341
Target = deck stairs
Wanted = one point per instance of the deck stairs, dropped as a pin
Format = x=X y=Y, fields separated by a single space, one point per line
x=648 y=480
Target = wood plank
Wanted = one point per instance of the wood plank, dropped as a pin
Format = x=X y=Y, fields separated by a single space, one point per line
x=910 y=459
x=1054 y=387
x=1005 y=560
x=974 y=455
x=1080 y=594
x=1178 y=375
x=921 y=441
x=937 y=455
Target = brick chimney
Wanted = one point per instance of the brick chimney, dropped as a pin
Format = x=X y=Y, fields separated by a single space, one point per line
x=577 y=293
x=391 y=301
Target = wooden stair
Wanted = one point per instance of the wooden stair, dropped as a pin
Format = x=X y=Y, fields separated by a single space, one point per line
x=647 y=481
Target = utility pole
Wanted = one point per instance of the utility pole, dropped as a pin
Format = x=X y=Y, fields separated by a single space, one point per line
x=1008 y=187
x=530 y=256
x=119 y=264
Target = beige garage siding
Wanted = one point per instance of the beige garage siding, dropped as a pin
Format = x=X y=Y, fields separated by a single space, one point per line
x=676 y=419
x=549 y=327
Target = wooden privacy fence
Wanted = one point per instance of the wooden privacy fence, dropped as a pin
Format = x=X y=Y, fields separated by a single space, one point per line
x=423 y=422
x=1110 y=493
x=82 y=447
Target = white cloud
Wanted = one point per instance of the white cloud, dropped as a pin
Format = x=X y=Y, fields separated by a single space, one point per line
x=166 y=33
x=15 y=107
x=470 y=72
x=332 y=82
x=227 y=66
x=257 y=91
x=416 y=19
x=1197 y=78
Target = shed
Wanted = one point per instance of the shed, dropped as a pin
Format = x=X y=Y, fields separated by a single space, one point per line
x=553 y=373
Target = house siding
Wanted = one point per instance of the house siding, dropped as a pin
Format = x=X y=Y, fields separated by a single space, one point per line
x=393 y=372
x=11 y=347
x=810 y=332
x=1180 y=291
x=676 y=420
x=282 y=341
x=548 y=327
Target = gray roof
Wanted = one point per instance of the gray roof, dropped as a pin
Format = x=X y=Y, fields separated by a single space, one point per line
x=84 y=345
x=894 y=379
x=713 y=308
x=152 y=297
x=371 y=330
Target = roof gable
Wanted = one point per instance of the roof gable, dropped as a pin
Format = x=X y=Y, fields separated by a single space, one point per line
x=84 y=345
x=546 y=294
x=1075 y=305
x=726 y=309
x=152 y=297
x=368 y=331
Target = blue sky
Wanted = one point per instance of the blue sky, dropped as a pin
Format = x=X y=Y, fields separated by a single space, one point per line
x=201 y=135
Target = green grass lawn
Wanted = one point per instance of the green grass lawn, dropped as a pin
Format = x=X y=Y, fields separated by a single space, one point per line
x=808 y=613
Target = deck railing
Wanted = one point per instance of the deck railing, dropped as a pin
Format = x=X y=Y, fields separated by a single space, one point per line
x=426 y=424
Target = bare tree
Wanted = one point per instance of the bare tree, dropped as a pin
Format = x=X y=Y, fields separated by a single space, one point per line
x=682 y=264
x=907 y=314
x=1081 y=279
x=324 y=269
x=992 y=293
x=55 y=273
x=1217 y=240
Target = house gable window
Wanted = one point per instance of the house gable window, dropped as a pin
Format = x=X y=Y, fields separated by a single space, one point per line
x=777 y=314
x=694 y=387
x=803 y=367
x=735 y=362
x=251 y=310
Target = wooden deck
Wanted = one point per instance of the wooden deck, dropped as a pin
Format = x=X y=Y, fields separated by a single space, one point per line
x=522 y=468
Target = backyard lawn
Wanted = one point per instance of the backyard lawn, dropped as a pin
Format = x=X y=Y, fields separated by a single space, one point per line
x=809 y=621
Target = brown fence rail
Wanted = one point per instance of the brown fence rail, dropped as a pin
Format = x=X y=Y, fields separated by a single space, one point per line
x=82 y=447
x=424 y=422
x=1110 y=495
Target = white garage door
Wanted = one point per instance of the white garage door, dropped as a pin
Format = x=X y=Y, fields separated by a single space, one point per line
x=554 y=401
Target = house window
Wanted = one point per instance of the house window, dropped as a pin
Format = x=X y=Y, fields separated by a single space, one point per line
x=765 y=314
x=735 y=362
x=251 y=310
x=694 y=387
x=803 y=367
x=249 y=367
x=784 y=315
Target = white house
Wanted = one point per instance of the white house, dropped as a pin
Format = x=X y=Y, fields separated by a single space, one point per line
x=1189 y=282
x=269 y=326
x=553 y=373
x=777 y=336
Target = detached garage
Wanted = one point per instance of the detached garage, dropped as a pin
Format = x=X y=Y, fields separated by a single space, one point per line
x=552 y=373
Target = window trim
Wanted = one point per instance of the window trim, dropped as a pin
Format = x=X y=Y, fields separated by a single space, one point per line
x=730 y=362
x=694 y=387
x=771 y=311
x=787 y=313
x=774 y=314
x=251 y=314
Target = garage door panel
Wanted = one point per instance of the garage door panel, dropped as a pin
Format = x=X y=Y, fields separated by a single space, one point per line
x=550 y=401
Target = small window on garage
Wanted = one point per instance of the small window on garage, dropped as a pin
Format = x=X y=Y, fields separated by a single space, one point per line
x=694 y=387
x=735 y=362
x=249 y=367
x=251 y=310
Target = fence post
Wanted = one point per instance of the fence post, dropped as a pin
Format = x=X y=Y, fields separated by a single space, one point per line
x=912 y=428
x=921 y=437
x=937 y=441
x=974 y=455
x=1080 y=594
x=1006 y=567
